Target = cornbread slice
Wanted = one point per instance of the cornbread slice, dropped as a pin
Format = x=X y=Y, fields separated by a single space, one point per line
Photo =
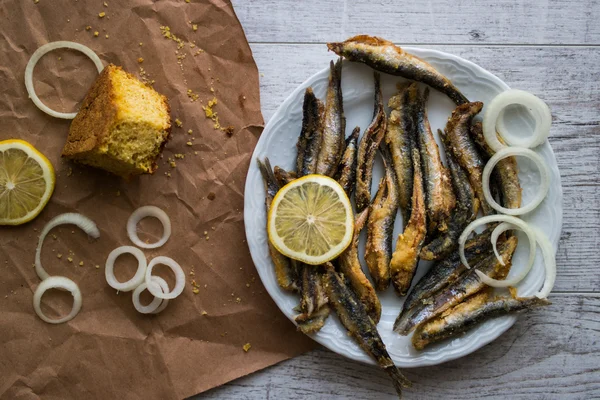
x=122 y=126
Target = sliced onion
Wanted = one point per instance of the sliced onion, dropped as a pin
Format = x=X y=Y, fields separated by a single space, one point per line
x=499 y=230
x=539 y=109
x=165 y=288
x=156 y=303
x=499 y=218
x=539 y=196
x=549 y=263
x=143 y=212
x=81 y=221
x=39 y=53
x=137 y=279
x=179 y=278
x=57 y=282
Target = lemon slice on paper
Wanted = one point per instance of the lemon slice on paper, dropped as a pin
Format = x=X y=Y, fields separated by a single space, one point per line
x=26 y=182
x=311 y=220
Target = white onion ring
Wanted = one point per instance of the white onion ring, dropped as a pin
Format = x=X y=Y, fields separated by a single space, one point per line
x=549 y=263
x=165 y=288
x=539 y=110
x=499 y=218
x=39 y=53
x=156 y=303
x=499 y=230
x=80 y=221
x=57 y=282
x=143 y=212
x=179 y=278
x=544 y=176
x=137 y=279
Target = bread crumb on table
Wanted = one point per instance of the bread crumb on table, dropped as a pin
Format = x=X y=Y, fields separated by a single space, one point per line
x=96 y=33
x=140 y=60
x=247 y=347
x=102 y=14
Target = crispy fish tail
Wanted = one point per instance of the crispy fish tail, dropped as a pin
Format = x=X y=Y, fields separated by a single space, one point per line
x=282 y=176
x=314 y=323
x=385 y=56
x=367 y=149
x=360 y=326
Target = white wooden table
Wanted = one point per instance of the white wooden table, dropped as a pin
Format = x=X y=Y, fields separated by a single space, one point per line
x=551 y=48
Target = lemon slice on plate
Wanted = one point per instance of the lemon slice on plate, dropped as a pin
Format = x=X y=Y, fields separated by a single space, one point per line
x=311 y=220
x=26 y=182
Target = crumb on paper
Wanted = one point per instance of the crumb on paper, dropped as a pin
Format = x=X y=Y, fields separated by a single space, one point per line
x=189 y=143
x=238 y=300
x=179 y=156
x=211 y=196
x=87 y=28
x=198 y=52
x=70 y=171
x=166 y=32
x=195 y=27
x=247 y=347
x=97 y=266
x=140 y=60
x=105 y=4
x=173 y=164
x=96 y=33
x=54 y=237
x=190 y=131
x=36 y=1
x=187 y=1
x=70 y=259
x=196 y=290
x=141 y=44
x=81 y=263
x=193 y=97
x=102 y=14
x=229 y=130
x=59 y=256
x=178 y=122
x=247 y=285
x=106 y=36
x=204 y=312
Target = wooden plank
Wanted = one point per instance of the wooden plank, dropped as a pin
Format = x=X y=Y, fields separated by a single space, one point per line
x=568 y=78
x=551 y=353
x=435 y=21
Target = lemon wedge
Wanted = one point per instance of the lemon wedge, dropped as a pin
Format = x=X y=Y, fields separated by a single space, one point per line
x=26 y=182
x=311 y=220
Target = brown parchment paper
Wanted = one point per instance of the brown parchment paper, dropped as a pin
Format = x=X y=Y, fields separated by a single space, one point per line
x=109 y=350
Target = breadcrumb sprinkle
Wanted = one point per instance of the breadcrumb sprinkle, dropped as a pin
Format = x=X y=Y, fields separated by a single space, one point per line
x=247 y=347
x=102 y=14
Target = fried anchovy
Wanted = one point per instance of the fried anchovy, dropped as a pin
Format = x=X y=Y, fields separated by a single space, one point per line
x=386 y=57
x=282 y=176
x=313 y=323
x=349 y=265
x=463 y=214
x=367 y=150
x=464 y=150
x=473 y=311
x=505 y=173
x=406 y=255
x=334 y=124
x=439 y=197
x=465 y=286
x=400 y=137
x=380 y=225
x=309 y=141
x=346 y=173
x=448 y=271
x=313 y=296
x=286 y=277
x=361 y=327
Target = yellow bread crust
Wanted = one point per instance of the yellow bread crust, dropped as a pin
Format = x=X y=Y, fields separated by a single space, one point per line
x=98 y=118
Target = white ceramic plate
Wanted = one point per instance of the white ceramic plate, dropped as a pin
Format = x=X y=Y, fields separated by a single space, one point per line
x=278 y=143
